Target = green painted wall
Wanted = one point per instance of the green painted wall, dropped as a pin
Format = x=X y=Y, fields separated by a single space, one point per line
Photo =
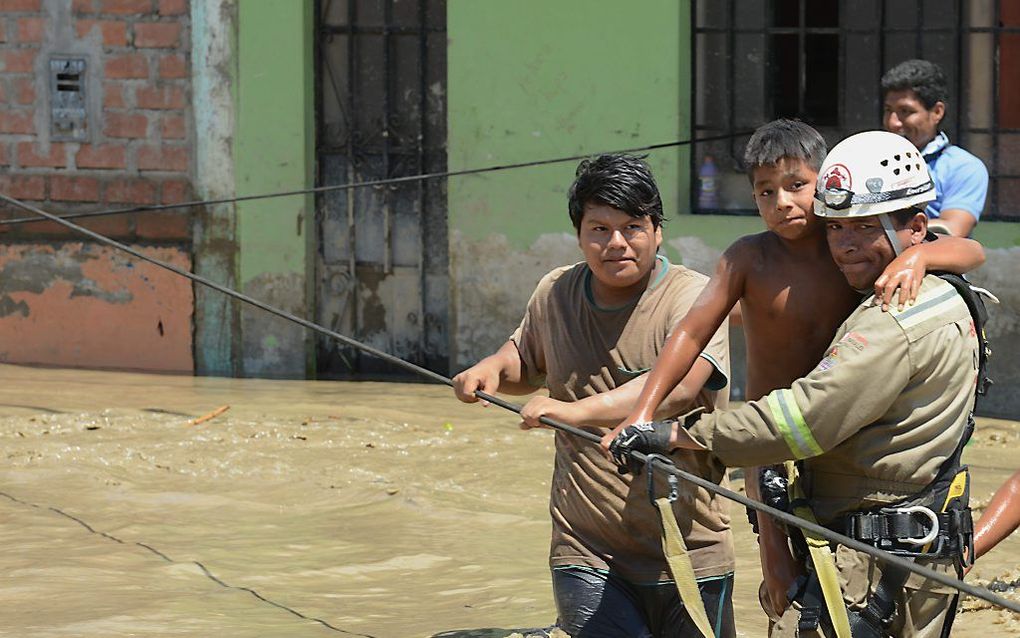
x=274 y=151
x=534 y=79
x=998 y=234
x=530 y=80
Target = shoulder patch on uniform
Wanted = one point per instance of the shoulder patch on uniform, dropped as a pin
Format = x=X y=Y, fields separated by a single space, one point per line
x=936 y=299
x=854 y=341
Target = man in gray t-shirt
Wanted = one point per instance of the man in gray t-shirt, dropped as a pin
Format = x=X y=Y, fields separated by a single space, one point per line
x=589 y=334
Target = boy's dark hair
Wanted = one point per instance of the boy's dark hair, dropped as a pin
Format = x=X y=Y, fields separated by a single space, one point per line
x=924 y=78
x=622 y=181
x=783 y=139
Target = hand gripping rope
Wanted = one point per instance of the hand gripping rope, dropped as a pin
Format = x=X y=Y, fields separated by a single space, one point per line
x=789 y=519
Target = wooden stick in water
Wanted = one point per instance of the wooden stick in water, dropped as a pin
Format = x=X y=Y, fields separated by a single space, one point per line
x=212 y=415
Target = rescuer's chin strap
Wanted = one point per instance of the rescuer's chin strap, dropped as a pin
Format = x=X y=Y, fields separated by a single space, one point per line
x=890 y=232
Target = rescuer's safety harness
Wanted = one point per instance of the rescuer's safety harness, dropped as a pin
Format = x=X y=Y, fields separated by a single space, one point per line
x=933 y=524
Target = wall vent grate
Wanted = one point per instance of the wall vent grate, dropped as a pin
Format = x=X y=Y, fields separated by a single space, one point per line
x=68 y=116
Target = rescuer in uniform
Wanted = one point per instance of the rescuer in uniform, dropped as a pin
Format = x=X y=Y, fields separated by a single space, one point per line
x=877 y=428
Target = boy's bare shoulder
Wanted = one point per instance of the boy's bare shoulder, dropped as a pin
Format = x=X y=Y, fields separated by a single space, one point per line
x=749 y=249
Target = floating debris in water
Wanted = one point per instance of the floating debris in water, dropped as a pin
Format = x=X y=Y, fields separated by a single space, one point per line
x=552 y=632
x=1006 y=585
x=212 y=415
x=1003 y=586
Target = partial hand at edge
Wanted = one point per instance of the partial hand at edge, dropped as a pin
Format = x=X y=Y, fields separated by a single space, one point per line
x=562 y=411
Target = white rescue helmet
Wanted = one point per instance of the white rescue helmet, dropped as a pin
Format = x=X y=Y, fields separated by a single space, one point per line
x=872 y=173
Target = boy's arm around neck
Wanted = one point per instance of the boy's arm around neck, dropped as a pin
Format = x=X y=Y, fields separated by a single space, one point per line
x=954 y=254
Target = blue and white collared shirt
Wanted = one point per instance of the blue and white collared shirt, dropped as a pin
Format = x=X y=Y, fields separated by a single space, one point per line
x=961 y=179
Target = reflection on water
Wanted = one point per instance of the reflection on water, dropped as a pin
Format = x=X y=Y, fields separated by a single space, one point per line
x=307 y=509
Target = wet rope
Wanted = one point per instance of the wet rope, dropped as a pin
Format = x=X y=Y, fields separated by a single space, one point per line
x=785 y=517
x=370 y=183
x=205 y=570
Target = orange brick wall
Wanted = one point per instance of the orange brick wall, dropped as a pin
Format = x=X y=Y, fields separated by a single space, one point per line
x=68 y=302
x=139 y=149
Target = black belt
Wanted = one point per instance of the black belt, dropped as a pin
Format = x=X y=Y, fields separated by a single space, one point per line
x=908 y=530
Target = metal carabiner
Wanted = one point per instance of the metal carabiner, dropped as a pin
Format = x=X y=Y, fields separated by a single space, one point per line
x=932 y=516
x=674 y=483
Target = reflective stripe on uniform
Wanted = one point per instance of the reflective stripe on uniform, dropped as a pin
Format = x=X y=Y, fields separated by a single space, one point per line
x=792 y=425
x=927 y=306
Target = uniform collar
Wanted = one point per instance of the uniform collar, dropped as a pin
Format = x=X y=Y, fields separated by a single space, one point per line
x=935 y=147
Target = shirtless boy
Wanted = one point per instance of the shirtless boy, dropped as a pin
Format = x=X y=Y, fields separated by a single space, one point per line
x=792 y=297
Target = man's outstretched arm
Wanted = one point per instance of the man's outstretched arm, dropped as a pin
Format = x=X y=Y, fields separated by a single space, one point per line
x=1001 y=517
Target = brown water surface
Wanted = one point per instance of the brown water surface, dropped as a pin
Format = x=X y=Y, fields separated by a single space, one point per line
x=307 y=509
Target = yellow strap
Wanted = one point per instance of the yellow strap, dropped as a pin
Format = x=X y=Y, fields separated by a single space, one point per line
x=956 y=489
x=680 y=565
x=822 y=559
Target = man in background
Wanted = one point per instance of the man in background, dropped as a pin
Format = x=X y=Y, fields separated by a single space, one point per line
x=915 y=97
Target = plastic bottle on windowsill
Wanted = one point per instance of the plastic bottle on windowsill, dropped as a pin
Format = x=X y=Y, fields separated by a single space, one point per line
x=708 y=184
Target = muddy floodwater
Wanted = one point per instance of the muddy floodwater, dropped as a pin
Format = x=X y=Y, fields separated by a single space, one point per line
x=306 y=509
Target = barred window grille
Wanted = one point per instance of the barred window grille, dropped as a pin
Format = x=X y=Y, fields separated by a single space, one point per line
x=822 y=61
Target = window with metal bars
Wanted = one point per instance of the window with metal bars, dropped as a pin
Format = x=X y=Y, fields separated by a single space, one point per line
x=822 y=61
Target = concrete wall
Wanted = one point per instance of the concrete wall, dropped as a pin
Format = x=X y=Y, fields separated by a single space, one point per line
x=71 y=303
x=534 y=79
x=83 y=305
x=217 y=317
x=1000 y=275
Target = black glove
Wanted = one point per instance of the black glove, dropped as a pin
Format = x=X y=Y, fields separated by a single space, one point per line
x=650 y=438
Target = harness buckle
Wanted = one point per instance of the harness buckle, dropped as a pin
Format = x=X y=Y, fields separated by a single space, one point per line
x=674 y=482
x=932 y=518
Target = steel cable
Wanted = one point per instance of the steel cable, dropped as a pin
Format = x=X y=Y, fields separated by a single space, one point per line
x=366 y=184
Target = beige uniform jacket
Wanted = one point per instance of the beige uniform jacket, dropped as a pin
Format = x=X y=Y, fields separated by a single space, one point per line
x=878 y=415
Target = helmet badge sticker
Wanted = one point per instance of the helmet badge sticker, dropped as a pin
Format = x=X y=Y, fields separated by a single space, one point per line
x=837 y=176
x=874 y=184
